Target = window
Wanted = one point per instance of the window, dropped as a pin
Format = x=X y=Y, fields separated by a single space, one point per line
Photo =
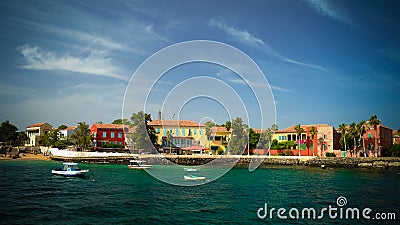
x=104 y=134
x=201 y=132
x=120 y=135
x=158 y=130
x=94 y=134
x=195 y=131
x=370 y=135
x=177 y=132
x=183 y=132
x=112 y=134
x=165 y=131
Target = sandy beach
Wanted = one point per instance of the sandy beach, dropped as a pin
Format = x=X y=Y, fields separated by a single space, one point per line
x=26 y=157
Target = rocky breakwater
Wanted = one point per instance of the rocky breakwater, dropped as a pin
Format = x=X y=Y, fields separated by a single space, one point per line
x=243 y=161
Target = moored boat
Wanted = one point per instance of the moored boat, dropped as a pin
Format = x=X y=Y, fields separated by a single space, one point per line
x=193 y=177
x=138 y=164
x=69 y=169
x=190 y=169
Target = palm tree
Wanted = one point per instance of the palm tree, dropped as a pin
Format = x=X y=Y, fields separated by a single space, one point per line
x=274 y=127
x=361 y=128
x=169 y=139
x=343 y=129
x=373 y=121
x=353 y=133
x=298 y=130
x=313 y=132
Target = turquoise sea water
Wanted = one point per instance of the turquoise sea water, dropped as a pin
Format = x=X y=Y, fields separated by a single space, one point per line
x=114 y=194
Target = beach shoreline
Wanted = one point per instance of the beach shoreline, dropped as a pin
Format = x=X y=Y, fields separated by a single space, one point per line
x=26 y=156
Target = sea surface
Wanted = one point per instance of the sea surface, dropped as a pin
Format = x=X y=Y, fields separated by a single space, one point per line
x=114 y=194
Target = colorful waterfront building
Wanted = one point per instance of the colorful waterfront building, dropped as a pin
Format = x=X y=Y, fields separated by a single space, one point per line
x=37 y=131
x=107 y=134
x=218 y=141
x=66 y=133
x=327 y=139
x=384 y=140
x=179 y=133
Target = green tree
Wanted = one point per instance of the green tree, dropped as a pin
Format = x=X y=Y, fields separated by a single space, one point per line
x=343 y=130
x=313 y=132
x=62 y=127
x=209 y=125
x=374 y=122
x=50 y=139
x=265 y=139
x=169 y=135
x=353 y=132
x=253 y=138
x=119 y=121
x=298 y=130
x=144 y=136
x=8 y=133
x=396 y=150
x=81 y=136
x=21 y=138
x=239 y=138
x=362 y=129
x=228 y=125
x=274 y=127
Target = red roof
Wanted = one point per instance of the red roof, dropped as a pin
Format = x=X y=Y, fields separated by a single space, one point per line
x=36 y=125
x=108 y=126
x=175 y=123
x=71 y=128
x=292 y=130
x=220 y=129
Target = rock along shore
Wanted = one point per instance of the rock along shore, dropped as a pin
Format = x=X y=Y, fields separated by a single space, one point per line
x=243 y=161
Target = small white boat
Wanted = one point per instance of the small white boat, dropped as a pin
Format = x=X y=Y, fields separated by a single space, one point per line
x=193 y=177
x=69 y=169
x=190 y=169
x=138 y=164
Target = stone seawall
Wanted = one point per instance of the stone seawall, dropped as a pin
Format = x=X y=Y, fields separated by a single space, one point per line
x=243 y=161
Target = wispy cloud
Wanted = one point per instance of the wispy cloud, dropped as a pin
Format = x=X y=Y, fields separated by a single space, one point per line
x=250 y=39
x=94 y=64
x=326 y=8
x=151 y=31
x=242 y=35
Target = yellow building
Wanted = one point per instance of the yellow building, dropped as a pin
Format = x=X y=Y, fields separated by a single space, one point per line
x=219 y=139
x=184 y=133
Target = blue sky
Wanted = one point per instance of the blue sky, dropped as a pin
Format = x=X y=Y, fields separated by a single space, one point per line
x=326 y=61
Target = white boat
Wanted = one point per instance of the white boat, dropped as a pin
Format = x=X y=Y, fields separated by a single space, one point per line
x=69 y=169
x=138 y=164
x=190 y=169
x=193 y=177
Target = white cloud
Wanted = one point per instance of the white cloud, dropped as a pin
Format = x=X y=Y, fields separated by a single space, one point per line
x=151 y=31
x=249 y=39
x=326 y=8
x=241 y=35
x=94 y=64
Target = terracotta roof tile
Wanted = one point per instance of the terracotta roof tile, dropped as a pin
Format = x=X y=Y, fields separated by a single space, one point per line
x=36 y=125
x=175 y=123
x=71 y=128
x=108 y=126
x=292 y=130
